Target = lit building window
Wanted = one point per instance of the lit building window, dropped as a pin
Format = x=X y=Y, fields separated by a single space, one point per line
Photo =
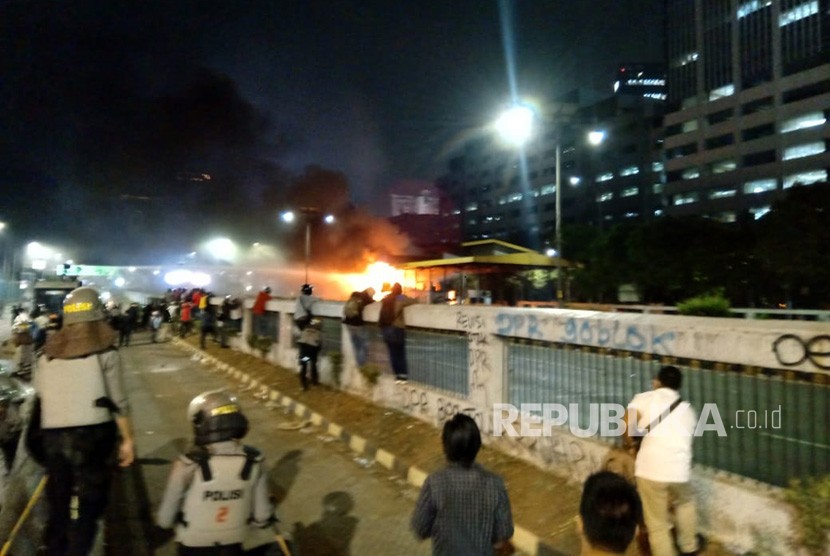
x=760 y=186
x=657 y=188
x=629 y=171
x=602 y=197
x=629 y=192
x=723 y=166
x=686 y=198
x=656 y=166
x=690 y=173
x=726 y=217
x=720 y=92
x=799 y=12
x=759 y=212
x=658 y=212
x=472 y=207
x=752 y=6
x=605 y=177
x=807 y=149
x=688 y=126
x=722 y=193
x=804 y=121
x=805 y=178
x=548 y=189
x=632 y=214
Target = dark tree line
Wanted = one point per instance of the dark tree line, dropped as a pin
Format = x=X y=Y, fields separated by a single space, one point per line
x=780 y=260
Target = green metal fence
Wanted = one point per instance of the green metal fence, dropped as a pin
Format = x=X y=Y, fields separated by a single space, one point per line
x=436 y=359
x=776 y=424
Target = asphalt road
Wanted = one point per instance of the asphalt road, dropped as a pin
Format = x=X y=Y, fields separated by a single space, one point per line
x=331 y=501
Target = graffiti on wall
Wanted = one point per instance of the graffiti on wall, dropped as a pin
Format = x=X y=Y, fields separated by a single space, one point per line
x=609 y=333
x=419 y=403
x=531 y=326
x=561 y=451
x=616 y=335
x=791 y=350
x=479 y=351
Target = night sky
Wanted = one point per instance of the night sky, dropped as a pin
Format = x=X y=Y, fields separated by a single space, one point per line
x=112 y=110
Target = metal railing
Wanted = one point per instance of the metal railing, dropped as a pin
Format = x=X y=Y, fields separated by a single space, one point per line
x=436 y=359
x=775 y=424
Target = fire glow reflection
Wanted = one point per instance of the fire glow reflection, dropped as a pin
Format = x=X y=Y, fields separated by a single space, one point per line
x=378 y=275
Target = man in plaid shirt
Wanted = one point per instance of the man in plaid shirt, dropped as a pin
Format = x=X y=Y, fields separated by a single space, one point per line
x=463 y=507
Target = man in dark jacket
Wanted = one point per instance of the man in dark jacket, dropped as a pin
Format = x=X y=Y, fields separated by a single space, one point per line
x=353 y=319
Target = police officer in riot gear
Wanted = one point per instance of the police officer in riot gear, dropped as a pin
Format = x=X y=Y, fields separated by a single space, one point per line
x=84 y=416
x=219 y=488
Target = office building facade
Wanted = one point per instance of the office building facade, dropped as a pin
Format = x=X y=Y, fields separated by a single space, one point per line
x=507 y=193
x=748 y=98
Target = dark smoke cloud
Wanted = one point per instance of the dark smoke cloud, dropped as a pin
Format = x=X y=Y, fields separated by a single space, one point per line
x=125 y=153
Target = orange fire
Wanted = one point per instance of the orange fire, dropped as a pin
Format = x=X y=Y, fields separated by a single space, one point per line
x=378 y=275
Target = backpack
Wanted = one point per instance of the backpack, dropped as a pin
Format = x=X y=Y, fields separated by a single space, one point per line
x=387 y=312
x=352 y=308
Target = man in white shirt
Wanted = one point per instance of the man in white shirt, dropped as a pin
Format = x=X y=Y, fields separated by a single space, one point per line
x=664 y=462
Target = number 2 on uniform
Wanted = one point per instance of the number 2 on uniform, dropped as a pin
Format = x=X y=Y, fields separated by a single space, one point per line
x=222 y=514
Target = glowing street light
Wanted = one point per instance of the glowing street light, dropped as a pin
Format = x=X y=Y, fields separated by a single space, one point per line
x=515 y=125
x=595 y=137
x=222 y=249
x=309 y=213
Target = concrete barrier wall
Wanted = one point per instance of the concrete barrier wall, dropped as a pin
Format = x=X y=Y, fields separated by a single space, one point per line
x=743 y=514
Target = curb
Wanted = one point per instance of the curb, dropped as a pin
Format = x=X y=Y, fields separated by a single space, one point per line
x=522 y=539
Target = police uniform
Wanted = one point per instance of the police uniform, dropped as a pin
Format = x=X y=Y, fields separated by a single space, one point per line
x=83 y=412
x=219 y=489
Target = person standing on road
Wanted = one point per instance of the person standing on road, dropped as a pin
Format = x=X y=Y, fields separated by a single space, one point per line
x=219 y=488
x=609 y=513
x=309 y=345
x=663 y=466
x=463 y=507
x=353 y=319
x=129 y=321
x=185 y=318
x=393 y=328
x=84 y=417
x=208 y=325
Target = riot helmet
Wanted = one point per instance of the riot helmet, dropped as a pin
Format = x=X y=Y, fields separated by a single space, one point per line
x=82 y=305
x=306 y=289
x=216 y=416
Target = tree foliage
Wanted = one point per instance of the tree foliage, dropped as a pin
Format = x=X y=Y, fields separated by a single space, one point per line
x=781 y=259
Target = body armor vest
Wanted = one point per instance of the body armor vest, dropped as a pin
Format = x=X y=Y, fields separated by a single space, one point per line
x=217 y=507
x=72 y=392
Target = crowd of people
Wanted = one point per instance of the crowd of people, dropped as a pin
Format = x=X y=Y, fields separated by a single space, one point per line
x=83 y=433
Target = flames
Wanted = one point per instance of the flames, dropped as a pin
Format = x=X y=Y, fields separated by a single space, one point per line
x=378 y=275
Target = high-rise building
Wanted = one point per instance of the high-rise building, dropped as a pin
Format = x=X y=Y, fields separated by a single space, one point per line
x=748 y=100
x=641 y=80
x=503 y=192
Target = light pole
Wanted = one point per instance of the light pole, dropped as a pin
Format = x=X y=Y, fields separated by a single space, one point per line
x=308 y=213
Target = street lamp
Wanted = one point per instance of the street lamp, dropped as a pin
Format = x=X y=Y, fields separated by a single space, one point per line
x=515 y=126
x=308 y=213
